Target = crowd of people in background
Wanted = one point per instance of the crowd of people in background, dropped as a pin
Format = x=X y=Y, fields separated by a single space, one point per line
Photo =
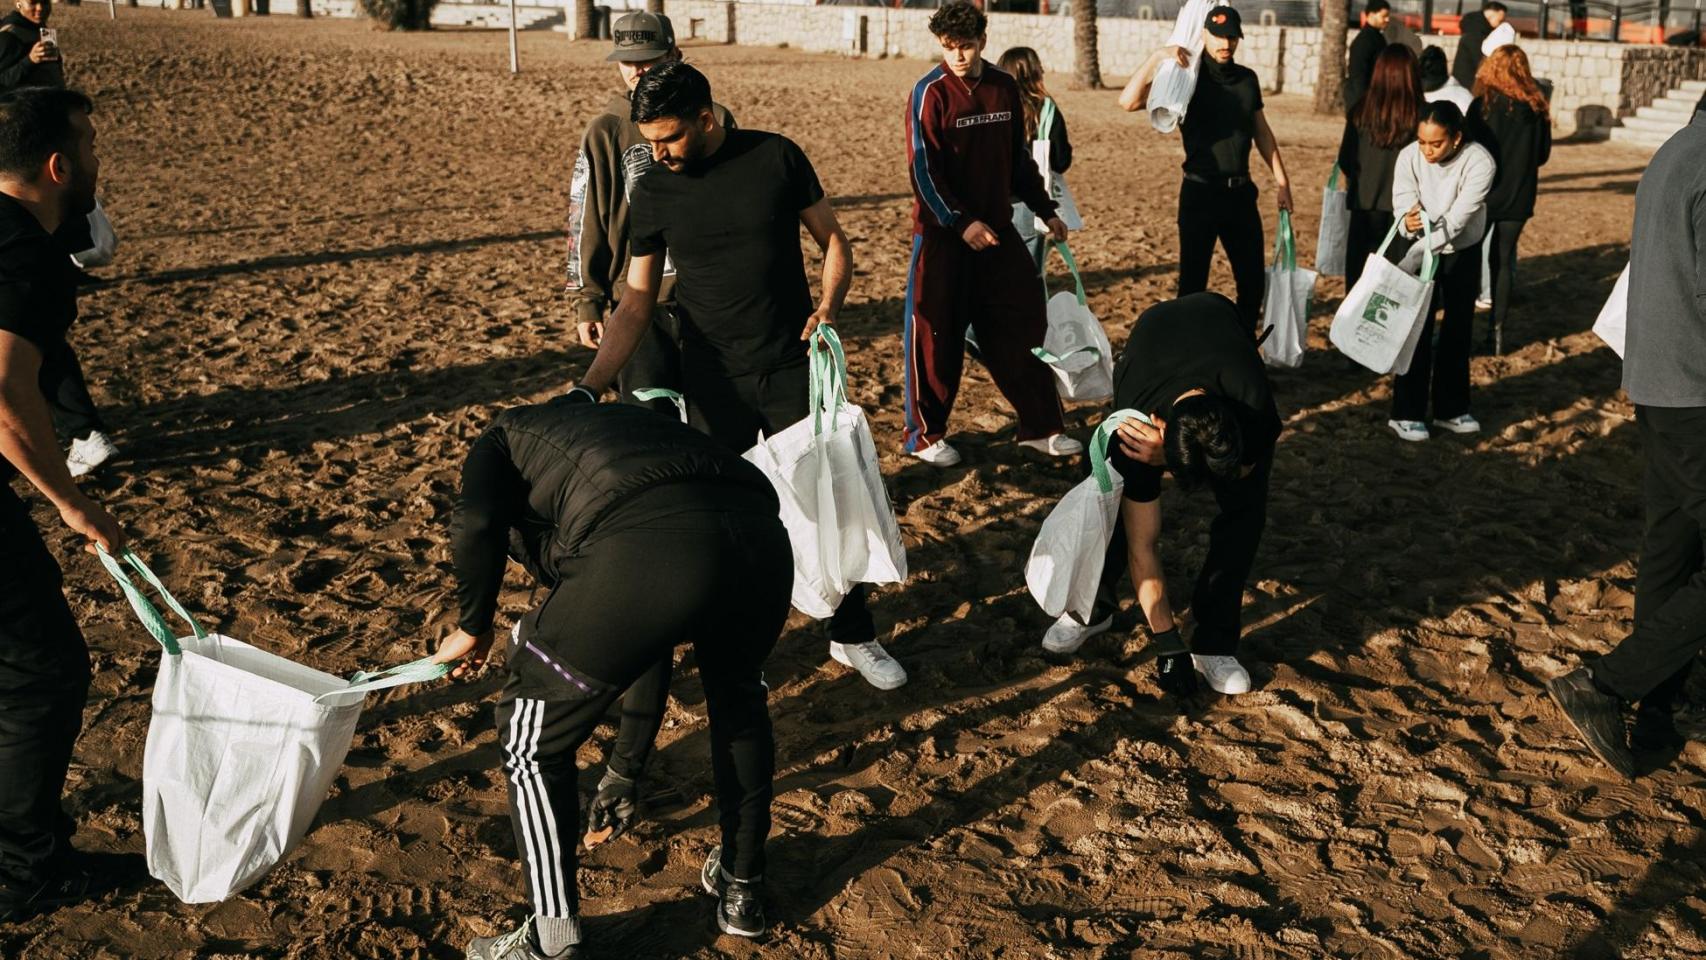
x=685 y=273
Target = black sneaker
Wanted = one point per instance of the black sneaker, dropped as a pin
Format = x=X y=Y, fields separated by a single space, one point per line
x=1597 y=716
x=740 y=903
x=66 y=884
x=1655 y=731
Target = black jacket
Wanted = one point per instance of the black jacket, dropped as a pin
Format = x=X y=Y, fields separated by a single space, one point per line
x=1474 y=30
x=544 y=478
x=1521 y=141
x=1364 y=49
x=1368 y=168
x=17 y=36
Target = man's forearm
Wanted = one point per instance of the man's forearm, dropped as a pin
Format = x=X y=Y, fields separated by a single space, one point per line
x=1151 y=583
x=1136 y=93
x=622 y=335
x=28 y=442
x=837 y=274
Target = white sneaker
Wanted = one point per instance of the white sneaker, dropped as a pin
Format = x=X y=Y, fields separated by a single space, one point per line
x=1412 y=430
x=1067 y=634
x=89 y=453
x=873 y=663
x=1058 y=445
x=1224 y=674
x=1460 y=424
x=938 y=454
x=1483 y=303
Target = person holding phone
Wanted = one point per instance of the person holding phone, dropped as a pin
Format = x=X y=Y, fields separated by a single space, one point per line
x=29 y=48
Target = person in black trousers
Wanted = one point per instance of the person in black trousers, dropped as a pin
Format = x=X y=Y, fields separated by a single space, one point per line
x=1383 y=124
x=1217 y=200
x=1192 y=367
x=48 y=172
x=648 y=535
x=1370 y=40
x=728 y=214
x=1662 y=374
x=1514 y=122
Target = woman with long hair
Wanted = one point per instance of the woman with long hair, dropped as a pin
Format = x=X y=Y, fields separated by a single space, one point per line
x=1440 y=184
x=1023 y=64
x=1382 y=124
x=1514 y=122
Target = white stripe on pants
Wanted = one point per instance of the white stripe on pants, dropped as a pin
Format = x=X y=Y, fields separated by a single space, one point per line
x=543 y=852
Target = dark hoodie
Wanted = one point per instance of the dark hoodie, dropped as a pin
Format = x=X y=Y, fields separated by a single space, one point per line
x=612 y=156
x=17 y=35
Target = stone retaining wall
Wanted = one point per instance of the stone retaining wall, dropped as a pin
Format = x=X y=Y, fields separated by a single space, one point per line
x=1593 y=83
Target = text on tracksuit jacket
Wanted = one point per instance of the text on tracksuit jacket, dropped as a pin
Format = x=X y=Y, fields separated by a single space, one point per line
x=967 y=152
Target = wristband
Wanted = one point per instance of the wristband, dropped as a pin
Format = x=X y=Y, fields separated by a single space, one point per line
x=580 y=395
x=1168 y=642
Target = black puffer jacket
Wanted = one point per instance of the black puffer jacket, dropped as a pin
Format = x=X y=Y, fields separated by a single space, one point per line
x=544 y=478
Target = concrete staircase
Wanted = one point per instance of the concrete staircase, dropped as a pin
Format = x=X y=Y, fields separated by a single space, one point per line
x=1652 y=125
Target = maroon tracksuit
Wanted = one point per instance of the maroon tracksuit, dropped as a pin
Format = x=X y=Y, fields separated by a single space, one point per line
x=968 y=154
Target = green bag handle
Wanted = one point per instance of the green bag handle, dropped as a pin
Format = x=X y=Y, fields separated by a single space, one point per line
x=659 y=393
x=150 y=616
x=828 y=382
x=1051 y=359
x=1430 y=262
x=1333 y=181
x=415 y=671
x=1285 y=243
x=1045 y=120
x=1099 y=447
x=1072 y=265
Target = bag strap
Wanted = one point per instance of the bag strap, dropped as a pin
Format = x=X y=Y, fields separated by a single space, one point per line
x=1285 y=243
x=1072 y=265
x=1333 y=181
x=828 y=381
x=1051 y=359
x=1099 y=447
x=1045 y=120
x=1430 y=260
x=415 y=671
x=150 y=616
x=659 y=393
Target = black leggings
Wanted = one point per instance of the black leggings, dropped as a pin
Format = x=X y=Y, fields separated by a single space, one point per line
x=1445 y=367
x=1367 y=229
x=1506 y=233
x=1208 y=213
x=719 y=580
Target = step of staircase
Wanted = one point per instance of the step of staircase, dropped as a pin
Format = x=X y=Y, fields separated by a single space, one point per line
x=1639 y=138
x=1680 y=107
x=1663 y=124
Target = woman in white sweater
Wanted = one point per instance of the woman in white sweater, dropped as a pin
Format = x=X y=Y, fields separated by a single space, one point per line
x=1445 y=179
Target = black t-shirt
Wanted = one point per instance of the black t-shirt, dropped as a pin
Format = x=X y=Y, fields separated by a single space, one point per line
x=1198 y=341
x=38 y=290
x=1220 y=123
x=732 y=227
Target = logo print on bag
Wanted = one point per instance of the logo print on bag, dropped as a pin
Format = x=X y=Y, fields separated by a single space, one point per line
x=1377 y=310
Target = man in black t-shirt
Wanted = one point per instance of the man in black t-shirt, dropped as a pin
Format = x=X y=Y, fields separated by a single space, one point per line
x=728 y=215
x=47 y=174
x=1191 y=367
x=1217 y=200
x=1370 y=40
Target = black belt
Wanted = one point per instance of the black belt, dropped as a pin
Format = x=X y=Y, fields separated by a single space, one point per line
x=1226 y=183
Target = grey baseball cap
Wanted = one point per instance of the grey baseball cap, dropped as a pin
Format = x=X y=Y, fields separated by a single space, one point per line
x=641 y=36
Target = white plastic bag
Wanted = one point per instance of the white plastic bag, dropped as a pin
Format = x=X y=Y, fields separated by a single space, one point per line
x=1065 y=567
x=1170 y=94
x=1041 y=148
x=1285 y=305
x=1075 y=346
x=837 y=512
x=105 y=245
x=1612 y=324
x=242 y=749
x=1381 y=319
x=1335 y=233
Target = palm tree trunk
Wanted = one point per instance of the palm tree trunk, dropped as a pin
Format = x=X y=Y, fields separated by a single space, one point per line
x=1086 y=55
x=583 y=20
x=1330 y=78
x=304 y=8
x=654 y=6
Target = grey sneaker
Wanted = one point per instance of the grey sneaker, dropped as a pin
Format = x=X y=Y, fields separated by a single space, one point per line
x=518 y=944
x=1597 y=716
x=740 y=903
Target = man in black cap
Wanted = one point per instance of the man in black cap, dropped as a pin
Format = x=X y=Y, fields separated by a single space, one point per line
x=1218 y=198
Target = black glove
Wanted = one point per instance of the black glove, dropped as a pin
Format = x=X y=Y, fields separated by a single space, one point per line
x=1174 y=672
x=580 y=395
x=614 y=807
